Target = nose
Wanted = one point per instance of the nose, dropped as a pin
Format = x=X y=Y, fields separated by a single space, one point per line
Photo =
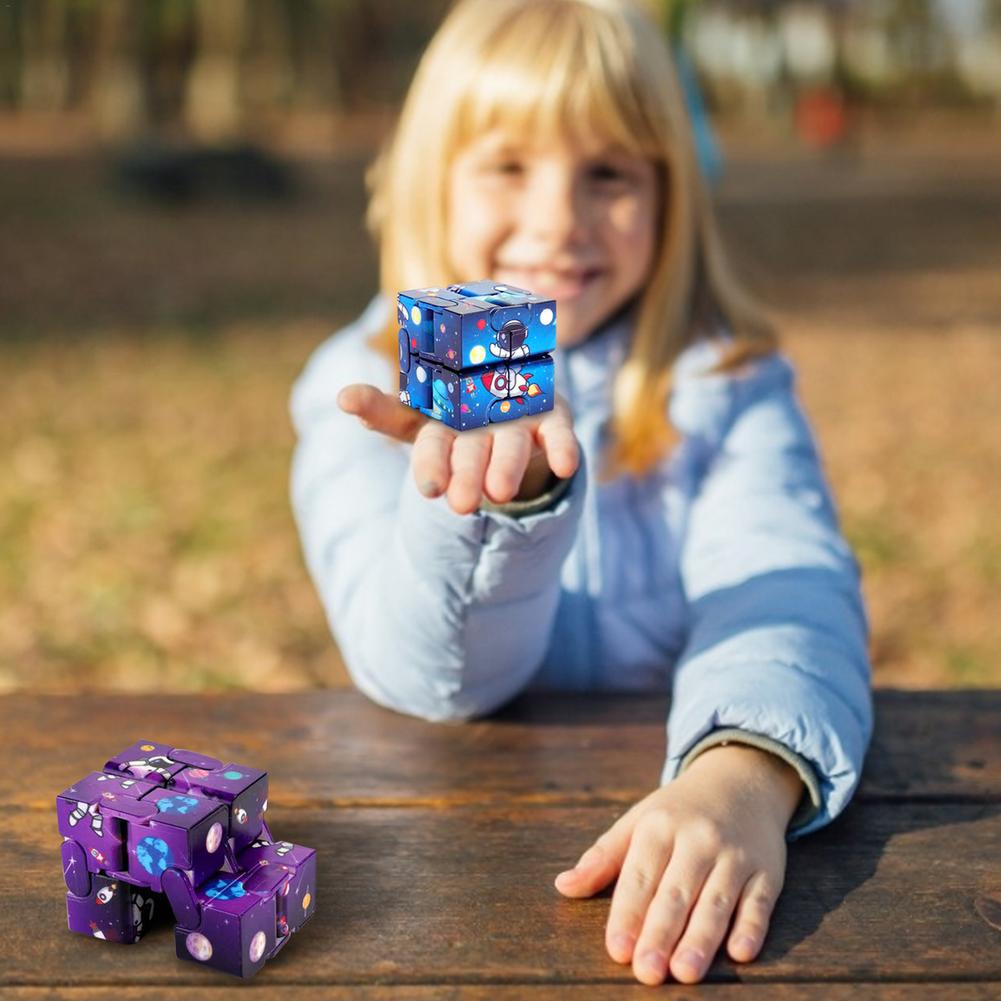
x=554 y=208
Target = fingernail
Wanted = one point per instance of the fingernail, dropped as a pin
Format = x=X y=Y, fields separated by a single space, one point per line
x=654 y=961
x=744 y=944
x=622 y=944
x=429 y=487
x=691 y=959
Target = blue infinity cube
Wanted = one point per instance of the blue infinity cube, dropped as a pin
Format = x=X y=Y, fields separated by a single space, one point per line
x=477 y=353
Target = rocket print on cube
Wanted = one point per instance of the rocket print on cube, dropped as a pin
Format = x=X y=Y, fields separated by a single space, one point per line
x=161 y=822
x=476 y=354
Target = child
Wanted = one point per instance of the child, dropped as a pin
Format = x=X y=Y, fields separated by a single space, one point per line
x=669 y=519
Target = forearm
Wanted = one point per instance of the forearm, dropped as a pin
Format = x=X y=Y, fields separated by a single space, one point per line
x=421 y=600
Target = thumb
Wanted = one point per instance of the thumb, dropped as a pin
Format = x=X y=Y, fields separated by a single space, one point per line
x=601 y=863
x=381 y=411
x=359 y=399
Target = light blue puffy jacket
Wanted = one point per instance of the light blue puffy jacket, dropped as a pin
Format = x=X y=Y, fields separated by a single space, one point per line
x=723 y=573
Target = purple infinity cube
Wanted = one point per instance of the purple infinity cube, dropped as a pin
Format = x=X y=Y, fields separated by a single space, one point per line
x=165 y=824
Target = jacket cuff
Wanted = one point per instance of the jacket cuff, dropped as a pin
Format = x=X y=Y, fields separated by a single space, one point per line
x=809 y=805
x=518 y=509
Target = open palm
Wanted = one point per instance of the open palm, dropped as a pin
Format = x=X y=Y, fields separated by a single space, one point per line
x=499 y=461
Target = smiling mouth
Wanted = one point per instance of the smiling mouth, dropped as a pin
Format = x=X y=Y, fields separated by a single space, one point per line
x=559 y=284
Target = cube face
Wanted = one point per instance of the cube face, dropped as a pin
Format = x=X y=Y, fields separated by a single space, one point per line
x=245 y=789
x=201 y=825
x=113 y=910
x=475 y=354
x=187 y=832
x=163 y=820
x=85 y=813
x=415 y=383
x=239 y=921
x=240 y=947
x=297 y=900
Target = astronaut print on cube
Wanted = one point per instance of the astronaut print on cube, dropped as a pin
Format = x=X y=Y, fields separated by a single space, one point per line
x=163 y=824
x=476 y=354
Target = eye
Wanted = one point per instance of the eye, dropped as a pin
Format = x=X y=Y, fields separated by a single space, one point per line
x=607 y=172
x=507 y=167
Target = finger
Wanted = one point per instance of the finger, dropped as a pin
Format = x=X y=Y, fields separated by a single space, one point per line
x=754 y=912
x=649 y=852
x=381 y=411
x=470 y=455
x=601 y=863
x=555 y=433
x=665 y=917
x=707 y=924
x=509 y=457
x=431 y=459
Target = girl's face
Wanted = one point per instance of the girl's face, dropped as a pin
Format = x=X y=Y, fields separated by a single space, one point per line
x=574 y=223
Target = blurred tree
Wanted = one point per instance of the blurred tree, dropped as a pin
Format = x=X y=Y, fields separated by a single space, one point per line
x=267 y=78
x=168 y=49
x=117 y=96
x=212 y=110
x=217 y=69
x=44 y=71
x=320 y=72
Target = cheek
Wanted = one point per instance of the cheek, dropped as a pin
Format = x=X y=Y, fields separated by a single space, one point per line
x=632 y=219
x=473 y=230
x=634 y=225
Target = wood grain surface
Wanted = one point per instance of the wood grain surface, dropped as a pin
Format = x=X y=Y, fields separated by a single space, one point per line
x=438 y=845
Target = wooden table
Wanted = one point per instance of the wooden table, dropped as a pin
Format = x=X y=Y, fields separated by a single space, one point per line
x=438 y=845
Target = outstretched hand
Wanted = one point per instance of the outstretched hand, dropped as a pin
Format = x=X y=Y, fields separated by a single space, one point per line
x=687 y=856
x=511 y=459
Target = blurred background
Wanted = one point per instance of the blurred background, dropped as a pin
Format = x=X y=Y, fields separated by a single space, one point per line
x=181 y=204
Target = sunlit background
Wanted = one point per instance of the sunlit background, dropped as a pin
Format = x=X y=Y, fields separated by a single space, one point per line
x=181 y=202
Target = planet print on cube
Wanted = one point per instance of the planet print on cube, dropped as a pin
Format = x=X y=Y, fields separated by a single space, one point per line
x=476 y=354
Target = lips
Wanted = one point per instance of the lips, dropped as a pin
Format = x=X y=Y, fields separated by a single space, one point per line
x=557 y=282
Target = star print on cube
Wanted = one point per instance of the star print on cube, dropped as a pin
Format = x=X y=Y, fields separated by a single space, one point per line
x=245 y=789
x=476 y=354
x=163 y=824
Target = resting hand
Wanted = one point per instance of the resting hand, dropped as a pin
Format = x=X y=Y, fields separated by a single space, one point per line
x=687 y=856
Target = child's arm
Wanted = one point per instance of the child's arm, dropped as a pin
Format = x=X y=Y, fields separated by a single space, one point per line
x=778 y=630
x=776 y=657
x=436 y=614
x=687 y=857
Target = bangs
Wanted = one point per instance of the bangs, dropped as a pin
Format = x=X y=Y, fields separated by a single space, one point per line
x=560 y=70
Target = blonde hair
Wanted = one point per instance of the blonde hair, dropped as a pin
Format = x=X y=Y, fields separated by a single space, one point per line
x=538 y=67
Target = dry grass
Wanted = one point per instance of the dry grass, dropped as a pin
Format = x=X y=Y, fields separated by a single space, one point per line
x=146 y=541
x=144 y=524
x=907 y=422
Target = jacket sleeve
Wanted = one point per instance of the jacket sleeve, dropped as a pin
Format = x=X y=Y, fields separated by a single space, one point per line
x=436 y=614
x=777 y=647
x=520 y=509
